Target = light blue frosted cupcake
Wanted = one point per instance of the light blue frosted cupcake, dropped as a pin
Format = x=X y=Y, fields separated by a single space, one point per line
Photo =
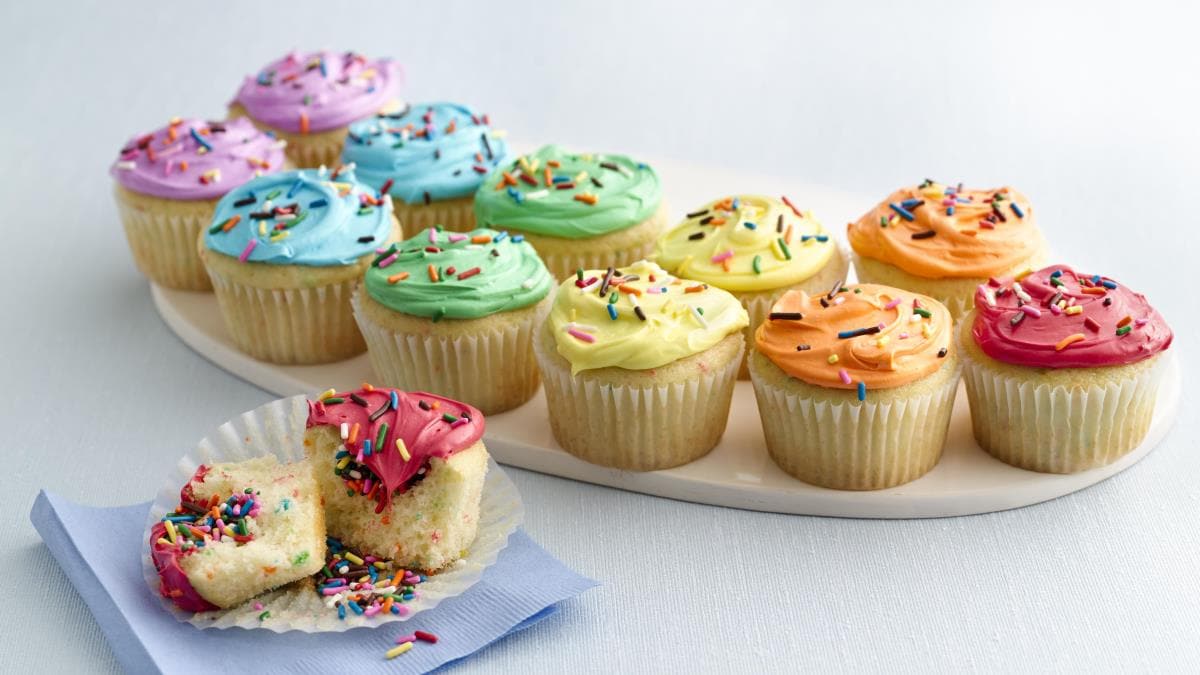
x=431 y=158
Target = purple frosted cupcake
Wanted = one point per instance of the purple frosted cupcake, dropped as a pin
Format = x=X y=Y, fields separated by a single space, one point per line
x=168 y=183
x=311 y=99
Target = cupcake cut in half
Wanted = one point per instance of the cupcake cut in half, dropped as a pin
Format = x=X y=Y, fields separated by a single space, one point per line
x=310 y=100
x=241 y=528
x=431 y=158
x=579 y=210
x=855 y=386
x=639 y=366
x=167 y=186
x=402 y=473
x=943 y=241
x=285 y=252
x=755 y=247
x=455 y=313
x=1062 y=368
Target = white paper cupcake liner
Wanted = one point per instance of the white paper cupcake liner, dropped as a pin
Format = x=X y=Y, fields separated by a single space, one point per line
x=854 y=445
x=454 y=215
x=636 y=428
x=163 y=244
x=562 y=265
x=493 y=371
x=290 y=325
x=278 y=428
x=1057 y=429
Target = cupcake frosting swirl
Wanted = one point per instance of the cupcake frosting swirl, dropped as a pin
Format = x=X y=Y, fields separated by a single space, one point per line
x=940 y=231
x=746 y=243
x=1059 y=318
x=458 y=276
x=428 y=152
x=639 y=317
x=191 y=159
x=875 y=336
x=306 y=217
x=319 y=91
x=394 y=433
x=568 y=195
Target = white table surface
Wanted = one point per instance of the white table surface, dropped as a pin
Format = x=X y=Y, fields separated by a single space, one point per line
x=1091 y=112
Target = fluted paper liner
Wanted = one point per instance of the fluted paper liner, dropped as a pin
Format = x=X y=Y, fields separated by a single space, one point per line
x=859 y=445
x=563 y=265
x=1056 y=429
x=290 y=325
x=636 y=428
x=454 y=215
x=163 y=241
x=277 y=428
x=493 y=371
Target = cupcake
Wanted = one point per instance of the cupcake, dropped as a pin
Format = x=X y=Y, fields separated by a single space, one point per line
x=455 y=313
x=855 y=386
x=1062 y=369
x=285 y=252
x=241 y=528
x=757 y=248
x=430 y=158
x=402 y=473
x=311 y=99
x=167 y=186
x=944 y=241
x=580 y=211
x=639 y=366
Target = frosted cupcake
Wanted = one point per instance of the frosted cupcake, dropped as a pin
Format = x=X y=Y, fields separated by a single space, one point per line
x=167 y=185
x=580 y=211
x=285 y=252
x=943 y=240
x=431 y=158
x=455 y=313
x=639 y=366
x=402 y=473
x=855 y=386
x=311 y=99
x=757 y=248
x=1062 y=369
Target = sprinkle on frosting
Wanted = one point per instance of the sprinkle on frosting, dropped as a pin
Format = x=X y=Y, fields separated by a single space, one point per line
x=191 y=159
x=428 y=152
x=746 y=243
x=639 y=317
x=458 y=276
x=306 y=217
x=1059 y=318
x=572 y=196
x=939 y=231
x=389 y=436
x=865 y=337
x=318 y=91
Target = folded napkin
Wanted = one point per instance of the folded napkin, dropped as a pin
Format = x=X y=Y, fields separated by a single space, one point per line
x=99 y=549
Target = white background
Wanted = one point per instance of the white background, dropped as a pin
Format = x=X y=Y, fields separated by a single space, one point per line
x=1090 y=109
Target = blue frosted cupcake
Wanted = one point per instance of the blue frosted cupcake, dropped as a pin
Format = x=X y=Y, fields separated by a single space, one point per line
x=431 y=158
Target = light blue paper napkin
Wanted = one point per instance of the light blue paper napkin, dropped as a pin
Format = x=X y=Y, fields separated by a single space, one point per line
x=99 y=549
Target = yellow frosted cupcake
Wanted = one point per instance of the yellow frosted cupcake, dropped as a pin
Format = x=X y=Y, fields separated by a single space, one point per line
x=639 y=366
x=855 y=387
x=755 y=247
x=943 y=240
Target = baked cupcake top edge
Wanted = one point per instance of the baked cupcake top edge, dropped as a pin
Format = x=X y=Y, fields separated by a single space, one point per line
x=388 y=435
x=940 y=231
x=863 y=336
x=568 y=195
x=426 y=152
x=449 y=275
x=746 y=243
x=318 y=91
x=1059 y=318
x=639 y=317
x=304 y=217
x=191 y=159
